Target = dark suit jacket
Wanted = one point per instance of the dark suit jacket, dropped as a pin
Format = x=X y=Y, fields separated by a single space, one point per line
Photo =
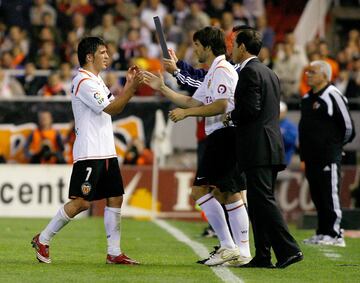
x=256 y=115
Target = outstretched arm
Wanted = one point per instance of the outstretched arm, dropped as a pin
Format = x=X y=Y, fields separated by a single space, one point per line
x=157 y=83
x=215 y=108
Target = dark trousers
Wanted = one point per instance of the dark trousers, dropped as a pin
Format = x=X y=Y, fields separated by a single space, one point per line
x=324 y=184
x=269 y=227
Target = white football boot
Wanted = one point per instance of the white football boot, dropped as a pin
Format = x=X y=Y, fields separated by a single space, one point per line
x=223 y=255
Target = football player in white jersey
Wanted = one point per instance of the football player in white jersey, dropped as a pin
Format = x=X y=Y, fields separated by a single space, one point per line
x=96 y=173
x=213 y=98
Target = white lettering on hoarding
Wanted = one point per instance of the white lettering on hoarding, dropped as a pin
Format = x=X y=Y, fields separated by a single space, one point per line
x=305 y=201
x=302 y=201
x=33 y=191
x=183 y=191
x=284 y=202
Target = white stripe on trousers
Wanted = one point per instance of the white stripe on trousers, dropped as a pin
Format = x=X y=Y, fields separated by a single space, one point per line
x=335 y=197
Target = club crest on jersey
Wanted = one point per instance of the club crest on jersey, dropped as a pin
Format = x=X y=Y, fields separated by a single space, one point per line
x=85 y=188
x=316 y=105
x=209 y=83
x=99 y=98
x=221 y=89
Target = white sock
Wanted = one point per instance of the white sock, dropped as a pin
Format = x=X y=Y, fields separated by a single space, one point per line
x=54 y=226
x=216 y=217
x=239 y=223
x=112 y=217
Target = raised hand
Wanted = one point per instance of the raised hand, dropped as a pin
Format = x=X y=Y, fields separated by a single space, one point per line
x=177 y=114
x=170 y=64
x=133 y=77
x=131 y=73
x=173 y=55
x=154 y=81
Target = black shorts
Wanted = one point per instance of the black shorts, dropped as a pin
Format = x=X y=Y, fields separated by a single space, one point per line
x=218 y=165
x=95 y=179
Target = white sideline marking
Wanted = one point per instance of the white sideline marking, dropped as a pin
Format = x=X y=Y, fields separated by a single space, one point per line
x=331 y=254
x=222 y=272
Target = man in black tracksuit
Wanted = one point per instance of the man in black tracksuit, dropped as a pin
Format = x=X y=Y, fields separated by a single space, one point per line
x=325 y=127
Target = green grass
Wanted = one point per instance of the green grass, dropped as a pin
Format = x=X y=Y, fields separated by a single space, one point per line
x=78 y=255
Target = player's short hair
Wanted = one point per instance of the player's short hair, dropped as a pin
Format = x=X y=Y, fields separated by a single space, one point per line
x=212 y=37
x=325 y=68
x=239 y=28
x=88 y=45
x=251 y=38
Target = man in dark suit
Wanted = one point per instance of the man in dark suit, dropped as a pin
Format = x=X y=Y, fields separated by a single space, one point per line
x=260 y=151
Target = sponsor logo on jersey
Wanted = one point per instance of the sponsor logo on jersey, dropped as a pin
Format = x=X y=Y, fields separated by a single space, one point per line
x=208 y=99
x=85 y=188
x=99 y=98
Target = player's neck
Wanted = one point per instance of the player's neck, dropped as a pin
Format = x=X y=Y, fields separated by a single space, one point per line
x=246 y=56
x=210 y=59
x=90 y=68
x=44 y=128
x=319 y=87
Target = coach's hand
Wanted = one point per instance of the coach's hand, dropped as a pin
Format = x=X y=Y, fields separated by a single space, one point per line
x=173 y=55
x=170 y=64
x=177 y=114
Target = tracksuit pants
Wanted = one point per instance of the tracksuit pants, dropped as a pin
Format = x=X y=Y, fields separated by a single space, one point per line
x=324 y=182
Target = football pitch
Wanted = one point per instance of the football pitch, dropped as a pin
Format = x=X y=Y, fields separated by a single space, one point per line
x=78 y=255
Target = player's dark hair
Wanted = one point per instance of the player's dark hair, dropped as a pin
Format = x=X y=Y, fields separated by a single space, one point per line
x=242 y=28
x=211 y=37
x=251 y=39
x=88 y=45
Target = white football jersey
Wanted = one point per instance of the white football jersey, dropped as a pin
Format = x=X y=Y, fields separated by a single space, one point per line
x=93 y=127
x=219 y=83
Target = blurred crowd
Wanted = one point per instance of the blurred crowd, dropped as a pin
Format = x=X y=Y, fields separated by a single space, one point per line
x=43 y=35
x=38 y=56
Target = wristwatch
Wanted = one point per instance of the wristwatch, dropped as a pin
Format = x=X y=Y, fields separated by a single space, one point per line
x=176 y=72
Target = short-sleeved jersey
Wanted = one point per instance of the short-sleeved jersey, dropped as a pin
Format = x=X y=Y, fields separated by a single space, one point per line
x=93 y=127
x=219 y=83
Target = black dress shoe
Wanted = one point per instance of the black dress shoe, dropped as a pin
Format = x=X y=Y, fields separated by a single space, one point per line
x=290 y=260
x=256 y=263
